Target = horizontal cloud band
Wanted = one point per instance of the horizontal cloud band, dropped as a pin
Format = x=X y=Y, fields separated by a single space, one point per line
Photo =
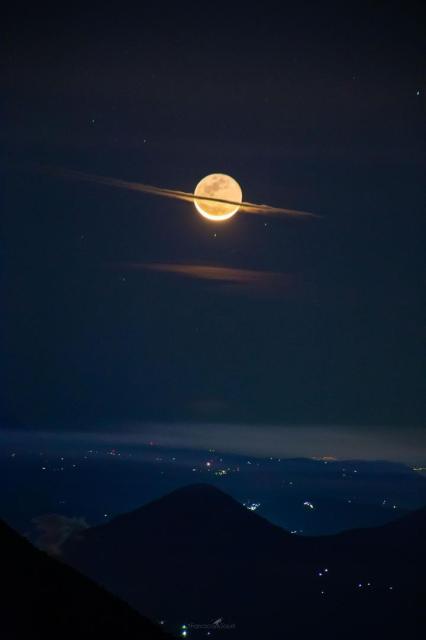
x=247 y=207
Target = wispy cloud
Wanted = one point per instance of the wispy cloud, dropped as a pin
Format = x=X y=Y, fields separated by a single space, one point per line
x=241 y=279
x=54 y=529
x=247 y=207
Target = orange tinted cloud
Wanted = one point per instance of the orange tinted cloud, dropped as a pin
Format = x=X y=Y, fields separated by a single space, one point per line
x=242 y=279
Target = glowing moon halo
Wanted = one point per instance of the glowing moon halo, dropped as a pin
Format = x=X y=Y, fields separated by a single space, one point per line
x=222 y=187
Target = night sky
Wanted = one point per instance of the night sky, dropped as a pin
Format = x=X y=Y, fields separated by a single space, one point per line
x=121 y=308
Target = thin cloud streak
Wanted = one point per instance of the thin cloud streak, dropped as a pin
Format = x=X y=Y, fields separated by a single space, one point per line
x=247 y=207
x=244 y=279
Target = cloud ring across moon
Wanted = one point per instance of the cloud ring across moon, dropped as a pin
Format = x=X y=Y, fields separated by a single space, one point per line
x=247 y=207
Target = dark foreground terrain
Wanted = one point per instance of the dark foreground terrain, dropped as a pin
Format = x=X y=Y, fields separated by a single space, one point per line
x=197 y=555
x=43 y=598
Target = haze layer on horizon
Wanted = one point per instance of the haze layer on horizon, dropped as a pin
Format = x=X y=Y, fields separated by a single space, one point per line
x=285 y=441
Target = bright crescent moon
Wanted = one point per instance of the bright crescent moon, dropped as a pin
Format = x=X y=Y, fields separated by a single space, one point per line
x=223 y=187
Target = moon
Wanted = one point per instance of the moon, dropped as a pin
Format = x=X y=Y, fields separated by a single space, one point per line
x=223 y=187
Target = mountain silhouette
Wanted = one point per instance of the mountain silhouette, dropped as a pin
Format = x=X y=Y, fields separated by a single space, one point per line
x=197 y=555
x=43 y=598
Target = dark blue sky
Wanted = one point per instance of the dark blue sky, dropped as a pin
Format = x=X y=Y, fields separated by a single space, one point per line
x=306 y=109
